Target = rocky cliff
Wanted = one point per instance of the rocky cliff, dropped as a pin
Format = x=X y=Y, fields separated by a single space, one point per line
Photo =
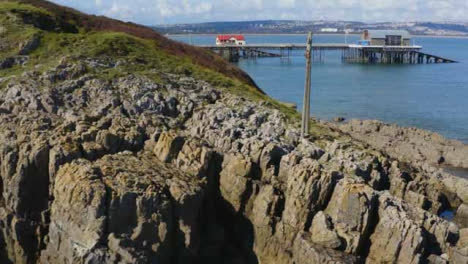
x=115 y=149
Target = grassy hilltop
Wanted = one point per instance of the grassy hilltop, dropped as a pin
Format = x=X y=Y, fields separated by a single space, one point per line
x=63 y=32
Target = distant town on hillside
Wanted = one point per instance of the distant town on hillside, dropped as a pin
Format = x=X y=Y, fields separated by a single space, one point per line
x=300 y=27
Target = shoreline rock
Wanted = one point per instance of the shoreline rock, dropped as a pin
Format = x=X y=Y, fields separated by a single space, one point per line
x=407 y=143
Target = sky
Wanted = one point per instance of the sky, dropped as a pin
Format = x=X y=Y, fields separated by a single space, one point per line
x=154 y=12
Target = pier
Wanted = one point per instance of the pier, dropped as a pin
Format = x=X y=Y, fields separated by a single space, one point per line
x=234 y=52
x=351 y=53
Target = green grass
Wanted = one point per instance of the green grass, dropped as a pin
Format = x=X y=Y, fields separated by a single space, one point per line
x=9 y=6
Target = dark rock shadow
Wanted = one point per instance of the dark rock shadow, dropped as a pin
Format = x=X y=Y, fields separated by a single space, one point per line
x=3 y=253
x=227 y=236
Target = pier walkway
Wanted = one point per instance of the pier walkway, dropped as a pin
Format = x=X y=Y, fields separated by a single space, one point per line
x=329 y=46
x=351 y=53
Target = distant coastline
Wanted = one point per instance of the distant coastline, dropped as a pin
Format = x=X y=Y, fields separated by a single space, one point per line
x=289 y=27
x=302 y=34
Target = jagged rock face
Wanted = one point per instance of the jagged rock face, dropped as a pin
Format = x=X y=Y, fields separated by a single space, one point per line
x=396 y=238
x=131 y=171
x=123 y=208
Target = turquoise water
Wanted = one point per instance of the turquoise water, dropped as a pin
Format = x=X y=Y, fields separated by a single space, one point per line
x=433 y=96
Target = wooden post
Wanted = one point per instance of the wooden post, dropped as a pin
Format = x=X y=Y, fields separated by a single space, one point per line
x=306 y=106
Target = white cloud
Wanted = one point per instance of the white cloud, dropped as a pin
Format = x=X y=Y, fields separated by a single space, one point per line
x=184 y=11
x=286 y=3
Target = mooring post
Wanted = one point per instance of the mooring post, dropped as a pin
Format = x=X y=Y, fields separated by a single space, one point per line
x=306 y=103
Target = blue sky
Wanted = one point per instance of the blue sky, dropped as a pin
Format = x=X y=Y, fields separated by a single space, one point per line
x=152 y=12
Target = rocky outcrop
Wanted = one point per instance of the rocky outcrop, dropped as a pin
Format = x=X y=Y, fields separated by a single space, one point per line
x=460 y=254
x=128 y=170
x=396 y=239
x=410 y=144
x=323 y=231
x=30 y=45
x=9 y=62
x=307 y=252
x=462 y=216
x=123 y=208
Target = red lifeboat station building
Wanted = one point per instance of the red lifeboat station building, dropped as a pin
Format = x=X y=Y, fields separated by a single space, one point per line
x=238 y=40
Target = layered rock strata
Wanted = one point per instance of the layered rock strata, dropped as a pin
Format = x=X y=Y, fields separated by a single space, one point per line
x=131 y=171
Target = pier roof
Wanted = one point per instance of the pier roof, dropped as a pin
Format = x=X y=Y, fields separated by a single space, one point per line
x=228 y=37
x=381 y=34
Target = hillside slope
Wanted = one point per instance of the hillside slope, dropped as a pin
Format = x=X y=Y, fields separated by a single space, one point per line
x=119 y=146
x=53 y=18
x=89 y=23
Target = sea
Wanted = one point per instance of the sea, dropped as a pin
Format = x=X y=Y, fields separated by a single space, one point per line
x=428 y=96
